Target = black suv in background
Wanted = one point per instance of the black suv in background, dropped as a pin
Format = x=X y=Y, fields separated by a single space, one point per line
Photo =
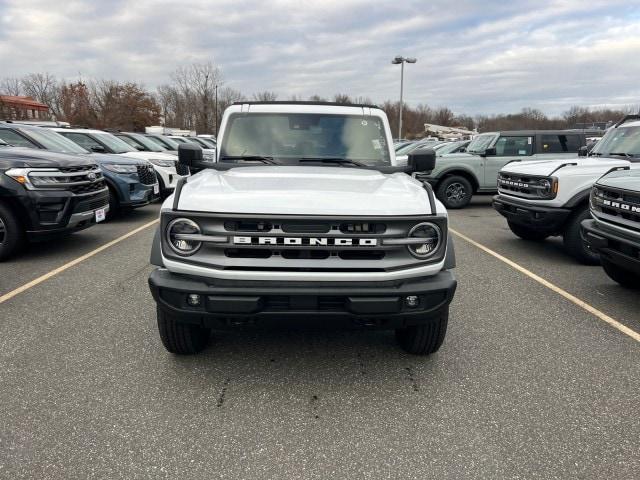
x=43 y=194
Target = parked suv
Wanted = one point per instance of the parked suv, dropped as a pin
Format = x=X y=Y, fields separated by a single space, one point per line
x=43 y=194
x=142 y=143
x=458 y=176
x=551 y=198
x=131 y=182
x=614 y=231
x=305 y=218
x=166 y=165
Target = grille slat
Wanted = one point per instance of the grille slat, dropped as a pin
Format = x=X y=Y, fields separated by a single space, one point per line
x=146 y=175
x=618 y=206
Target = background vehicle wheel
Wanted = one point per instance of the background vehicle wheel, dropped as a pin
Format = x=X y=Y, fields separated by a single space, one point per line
x=455 y=192
x=620 y=275
x=11 y=233
x=573 y=243
x=181 y=338
x=426 y=338
x=527 y=233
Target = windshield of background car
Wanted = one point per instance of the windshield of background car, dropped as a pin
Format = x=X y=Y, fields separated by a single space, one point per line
x=164 y=142
x=619 y=140
x=147 y=143
x=53 y=141
x=481 y=143
x=307 y=135
x=114 y=143
x=207 y=142
x=448 y=148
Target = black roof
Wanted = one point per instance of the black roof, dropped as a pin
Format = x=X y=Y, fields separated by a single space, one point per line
x=514 y=133
x=285 y=102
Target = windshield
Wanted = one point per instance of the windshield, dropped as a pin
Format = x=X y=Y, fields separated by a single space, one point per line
x=449 y=147
x=481 y=143
x=147 y=143
x=53 y=141
x=207 y=142
x=114 y=143
x=165 y=142
x=294 y=136
x=625 y=140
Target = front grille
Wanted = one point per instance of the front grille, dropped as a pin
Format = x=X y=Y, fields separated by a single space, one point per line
x=79 y=168
x=524 y=186
x=311 y=244
x=182 y=169
x=146 y=175
x=88 y=187
x=92 y=203
x=617 y=206
x=321 y=303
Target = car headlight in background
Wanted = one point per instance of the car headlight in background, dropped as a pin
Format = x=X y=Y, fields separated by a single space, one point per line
x=432 y=236
x=162 y=162
x=118 y=168
x=179 y=232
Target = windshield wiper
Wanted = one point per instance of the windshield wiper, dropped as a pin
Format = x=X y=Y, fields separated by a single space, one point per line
x=257 y=158
x=339 y=160
x=622 y=154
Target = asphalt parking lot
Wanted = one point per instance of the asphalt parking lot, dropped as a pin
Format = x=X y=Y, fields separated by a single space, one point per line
x=526 y=385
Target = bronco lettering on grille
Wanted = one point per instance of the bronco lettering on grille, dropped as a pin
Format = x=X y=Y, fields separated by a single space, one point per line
x=307 y=241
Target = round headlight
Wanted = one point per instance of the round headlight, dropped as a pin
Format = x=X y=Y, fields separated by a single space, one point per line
x=432 y=236
x=546 y=187
x=177 y=230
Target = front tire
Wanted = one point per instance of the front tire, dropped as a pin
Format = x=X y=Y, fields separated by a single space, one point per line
x=426 y=338
x=114 y=205
x=11 y=233
x=624 y=277
x=455 y=192
x=527 y=233
x=573 y=242
x=181 y=338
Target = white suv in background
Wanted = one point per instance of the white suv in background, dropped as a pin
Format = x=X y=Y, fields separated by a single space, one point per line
x=165 y=164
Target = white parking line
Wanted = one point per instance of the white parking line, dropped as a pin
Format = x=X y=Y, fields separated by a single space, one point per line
x=70 y=264
x=584 y=305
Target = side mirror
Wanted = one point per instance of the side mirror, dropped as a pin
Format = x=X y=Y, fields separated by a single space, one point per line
x=583 y=151
x=489 y=152
x=98 y=149
x=422 y=160
x=190 y=155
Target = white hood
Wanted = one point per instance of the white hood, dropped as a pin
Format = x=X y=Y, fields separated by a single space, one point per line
x=584 y=166
x=301 y=190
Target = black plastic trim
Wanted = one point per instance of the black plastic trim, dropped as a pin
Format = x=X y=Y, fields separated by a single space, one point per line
x=176 y=196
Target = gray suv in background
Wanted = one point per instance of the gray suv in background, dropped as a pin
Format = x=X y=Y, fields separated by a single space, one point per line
x=458 y=176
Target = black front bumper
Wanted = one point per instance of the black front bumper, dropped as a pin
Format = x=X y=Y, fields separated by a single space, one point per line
x=544 y=219
x=57 y=212
x=227 y=304
x=619 y=249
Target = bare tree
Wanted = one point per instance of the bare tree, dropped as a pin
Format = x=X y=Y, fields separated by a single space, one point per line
x=11 y=86
x=197 y=85
x=265 y=96
x=44 y=88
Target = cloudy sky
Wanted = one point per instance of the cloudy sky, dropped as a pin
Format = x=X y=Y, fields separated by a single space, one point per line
x=473 y=56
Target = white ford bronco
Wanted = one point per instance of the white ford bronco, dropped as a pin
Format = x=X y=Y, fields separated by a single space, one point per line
x=548 y=198
x=614 y=230
x=304 y=219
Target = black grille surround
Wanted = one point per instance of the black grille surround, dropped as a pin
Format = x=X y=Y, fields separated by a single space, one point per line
x=526 y=186
x=92 y=202
x=315 y=243
x=146 y=175
x=617 y=206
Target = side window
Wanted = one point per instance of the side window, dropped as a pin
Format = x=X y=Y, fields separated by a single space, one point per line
x=83 y=140
x=559 y=143
x=514 y=146
x=13 y=138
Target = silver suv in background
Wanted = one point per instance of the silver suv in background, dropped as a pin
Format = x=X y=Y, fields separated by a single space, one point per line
x=458 y=176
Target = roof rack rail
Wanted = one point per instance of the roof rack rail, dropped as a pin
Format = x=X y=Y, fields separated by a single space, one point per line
x=628 y=118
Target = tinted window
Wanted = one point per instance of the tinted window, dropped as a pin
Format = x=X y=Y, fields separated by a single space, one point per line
x=131 y=142
x=514 y=146
x=82 y=139
x=12 y=138
x=559 y=143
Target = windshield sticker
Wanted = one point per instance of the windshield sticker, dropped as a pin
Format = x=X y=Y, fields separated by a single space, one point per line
x=376 y=144
x=364 y=123
x=528 y=140
x=522 y=152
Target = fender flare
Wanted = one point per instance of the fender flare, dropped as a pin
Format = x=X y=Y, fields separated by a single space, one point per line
x=578 y=198
x=450 y=258
x=156 y=250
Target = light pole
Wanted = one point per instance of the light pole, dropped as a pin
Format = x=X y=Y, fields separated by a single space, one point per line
x=401 y=60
